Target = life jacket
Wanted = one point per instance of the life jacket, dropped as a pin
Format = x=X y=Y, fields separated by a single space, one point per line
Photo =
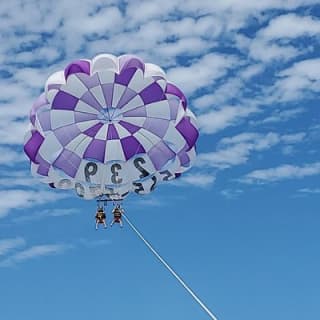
x=100 y=215
x=117 y=213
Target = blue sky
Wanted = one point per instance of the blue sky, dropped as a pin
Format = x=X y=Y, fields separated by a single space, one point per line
x=241 y=227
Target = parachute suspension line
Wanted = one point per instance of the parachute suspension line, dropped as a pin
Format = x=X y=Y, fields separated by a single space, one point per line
x=202 y=305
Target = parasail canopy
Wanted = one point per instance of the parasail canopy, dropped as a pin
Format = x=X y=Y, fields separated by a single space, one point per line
x=110 y=126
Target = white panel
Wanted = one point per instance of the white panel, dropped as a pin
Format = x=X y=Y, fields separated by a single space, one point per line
x=84 y=125
x=50 y=95
x=154 y=139
x=98 y=94
x=122 y=131
x=79 y=144
x=159 y=109
x=114 y=151
x=104 y=61
x=145 y=186
x=50 y=148
x=106 y=77
x=60 y=118
x=84 y=107
x=162 y=84
x=138 y=82
x=132 y=104
x=153 y=70
x=102 y=133
x=181 y=113
x=116 y=171
x=74 y=86
x=55 y=78
x=118 y=91
x=90 y=172
x=137 y=165
x=146 y=143
x=138 y=121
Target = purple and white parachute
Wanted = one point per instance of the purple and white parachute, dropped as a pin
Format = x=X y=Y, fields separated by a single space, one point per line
x=110 y=126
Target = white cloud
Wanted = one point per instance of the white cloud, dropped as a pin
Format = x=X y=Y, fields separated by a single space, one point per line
x=310 y=191
x=201 y=180
x=38 y=215
x=291 y=26
x=293 y=138
x=236 y=150
x=221 y=118
x=227 y=91
x=9 y=156
x=202 y=72
x=21 y=199
x=34 y=252
x=6 y=245
x=282 y=115
x=282 y=172
x=231 y=193
x=297 y=81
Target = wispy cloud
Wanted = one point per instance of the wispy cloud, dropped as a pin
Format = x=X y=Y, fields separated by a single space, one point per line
x=38 y=215
x=201 y=180
x=282 y=172
x=222 y=117
x=34 y=252
x=236 y=150
x=6 y=245
x=18 y=199
x=231 y=193
x=310 y=191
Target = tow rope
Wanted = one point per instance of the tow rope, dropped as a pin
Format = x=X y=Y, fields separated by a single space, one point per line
x=157 y=255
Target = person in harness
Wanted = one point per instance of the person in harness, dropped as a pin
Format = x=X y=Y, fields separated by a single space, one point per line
x=117 y=215
x=100 y=218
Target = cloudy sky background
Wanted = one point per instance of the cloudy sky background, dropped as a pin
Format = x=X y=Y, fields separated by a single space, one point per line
x=241 y=227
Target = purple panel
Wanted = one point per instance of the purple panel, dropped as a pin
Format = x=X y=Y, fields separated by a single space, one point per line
x=67 y=133
x=41 y=101
x=77 y=66
x=126 y=97
x=82 y=116
x=174 y=108
x=160 y=154
x=64 y=101
x=125 y=76
x=157 y=126
x=95 y=150
x=43 y=170
x=152 y=93
x=131 y=147
x=44 y=166
x=130 y=61
x=129 y=126
x=112 y=132
x=92 y=131
x=188 y=131
x=89 y=81
x=68 y=162
x=137 y=112
x=89 y=98
x=45 y=120
x=107 y=90
x=31 y=148
x=172 y=89
x=184 y=159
